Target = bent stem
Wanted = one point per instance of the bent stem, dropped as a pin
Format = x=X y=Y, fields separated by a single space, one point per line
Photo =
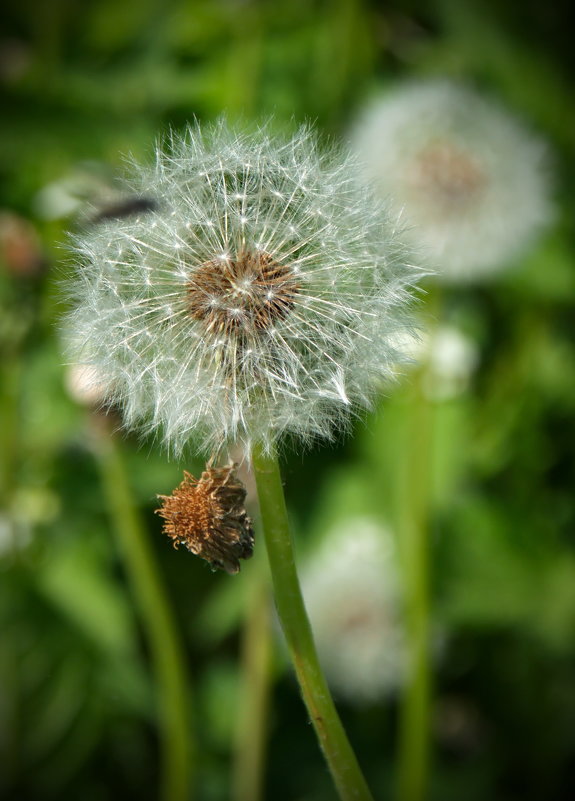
x=333 y=740
x=159 y=625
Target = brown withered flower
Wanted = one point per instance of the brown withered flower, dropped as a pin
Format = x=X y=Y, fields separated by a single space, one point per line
x=208 y=517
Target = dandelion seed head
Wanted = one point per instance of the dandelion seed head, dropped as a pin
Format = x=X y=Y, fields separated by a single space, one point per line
x=233 y=311
x=472 y=182
x=352 y=592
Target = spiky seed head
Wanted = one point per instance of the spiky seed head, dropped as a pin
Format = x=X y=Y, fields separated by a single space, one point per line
x=473 y=183
x=260 y=294
x=208 y=517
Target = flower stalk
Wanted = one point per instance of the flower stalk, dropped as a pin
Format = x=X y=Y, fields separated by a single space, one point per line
x=252 y=729
x=333 y=740
x=414 y=742
x=414 y=757
x=159 y=625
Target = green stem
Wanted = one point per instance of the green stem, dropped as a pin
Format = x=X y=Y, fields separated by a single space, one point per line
x=159 y=625
x=9 y=428
x=246 y=46
x=413 y=764
x=414 y=718
x=333 y=740
x=255 y=690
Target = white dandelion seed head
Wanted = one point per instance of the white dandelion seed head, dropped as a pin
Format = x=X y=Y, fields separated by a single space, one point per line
x=258 y=297
x=472 y=182
x=352 y=594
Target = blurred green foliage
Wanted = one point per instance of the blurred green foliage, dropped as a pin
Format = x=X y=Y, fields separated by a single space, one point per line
x=82 y=84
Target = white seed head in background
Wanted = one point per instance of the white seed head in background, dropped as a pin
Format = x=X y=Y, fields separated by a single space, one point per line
x=448 y=357
x=352 y=594
x=472 y=182
x=259 y=295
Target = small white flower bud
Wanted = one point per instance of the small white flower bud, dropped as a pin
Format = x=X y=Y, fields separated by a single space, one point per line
x=449 y=357
x=85 y=385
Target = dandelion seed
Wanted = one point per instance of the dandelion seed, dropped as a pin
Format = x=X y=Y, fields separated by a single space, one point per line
x=233 y=312
x=472 y=182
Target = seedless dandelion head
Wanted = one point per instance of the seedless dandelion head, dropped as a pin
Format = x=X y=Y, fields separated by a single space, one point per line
x=207 y=516
x=258 y=294
x=472 y=182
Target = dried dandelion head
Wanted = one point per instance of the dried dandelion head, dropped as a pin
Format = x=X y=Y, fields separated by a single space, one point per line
x=471 y=180
x=208 y=517
x=259 y=296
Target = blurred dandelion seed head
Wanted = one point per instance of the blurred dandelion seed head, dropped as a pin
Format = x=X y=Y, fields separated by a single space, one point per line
x=472 y=182
x=352 y=593
x=449 y=358
x=259 y=296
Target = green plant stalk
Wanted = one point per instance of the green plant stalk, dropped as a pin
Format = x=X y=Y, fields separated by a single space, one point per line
x=246 y=46
x=159 y=625
x=414 y=741
x=414 y=758
x=333 y=740
x=10 y=422
x=251 y=742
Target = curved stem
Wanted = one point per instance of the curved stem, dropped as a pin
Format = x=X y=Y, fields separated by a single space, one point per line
x=333 y=740
x=159 y=625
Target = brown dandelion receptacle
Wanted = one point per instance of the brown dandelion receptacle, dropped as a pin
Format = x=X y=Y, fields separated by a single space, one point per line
x=244 y=295
x=447 y=175
x=208 y=517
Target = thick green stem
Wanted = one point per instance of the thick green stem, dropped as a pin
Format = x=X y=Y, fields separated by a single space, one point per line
x=333 y=740
x=255 y=689
x=159 y=625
